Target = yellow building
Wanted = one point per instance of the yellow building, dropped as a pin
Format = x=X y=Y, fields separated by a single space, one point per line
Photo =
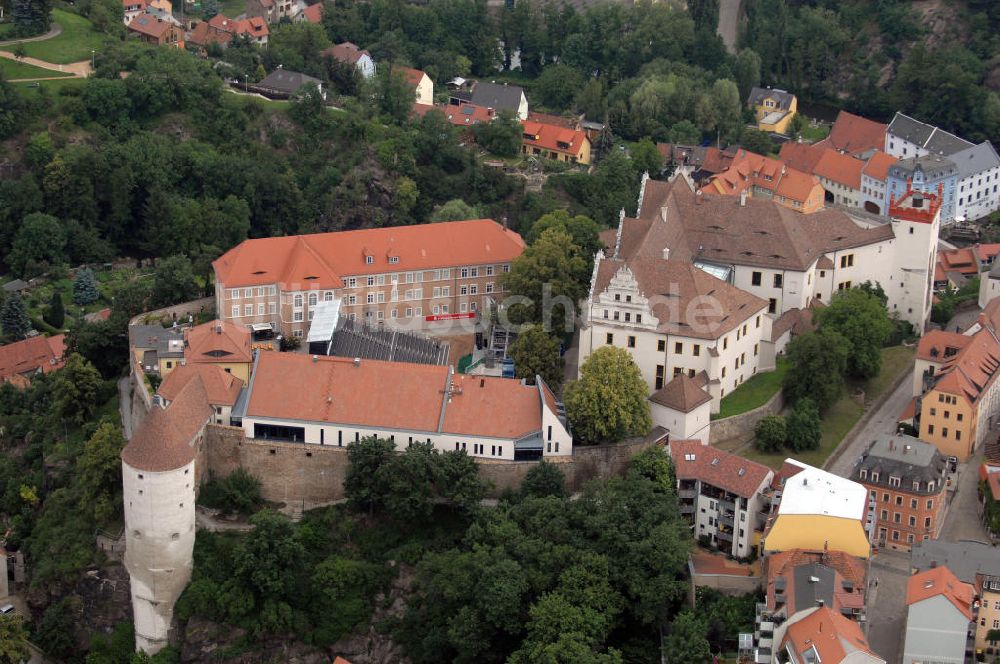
x=773 y=108
x=956 y=413
x=221 y=343
x=555 y=142
x=818 y=511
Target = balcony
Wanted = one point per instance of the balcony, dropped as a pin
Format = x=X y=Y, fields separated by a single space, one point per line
x=724 y=536
x=686 y=493
x=726 y=520
x=727 y=505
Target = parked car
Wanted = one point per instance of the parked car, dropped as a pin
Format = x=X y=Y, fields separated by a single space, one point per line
x=6 y=608
x=953 y=463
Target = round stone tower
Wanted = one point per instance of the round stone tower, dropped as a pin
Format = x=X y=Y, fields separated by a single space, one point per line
x=158 y=481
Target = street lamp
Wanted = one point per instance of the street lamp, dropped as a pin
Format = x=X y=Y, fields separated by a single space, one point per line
x=246 y=83
x=93 y=64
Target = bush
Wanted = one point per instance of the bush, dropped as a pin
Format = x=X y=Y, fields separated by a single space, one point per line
x=544 y=479
x=803 y=426
x=239 y=492
x=770 y=434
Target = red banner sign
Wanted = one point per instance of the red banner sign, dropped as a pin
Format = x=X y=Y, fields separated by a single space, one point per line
x=431 y=319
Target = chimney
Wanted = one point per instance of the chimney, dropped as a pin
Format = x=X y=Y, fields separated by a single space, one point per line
x=482 y=382
x=357 y=361
x=666 y=253
x=743 y=198
x=218 y=328
x=805 y=481
x=697 y=197
x=315 y=358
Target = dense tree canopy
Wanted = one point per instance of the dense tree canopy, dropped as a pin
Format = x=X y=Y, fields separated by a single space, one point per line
x=608 y=402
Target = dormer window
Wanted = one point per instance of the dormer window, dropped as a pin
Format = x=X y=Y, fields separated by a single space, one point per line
x=393 y=259
x=369 y=260
x=863 y=474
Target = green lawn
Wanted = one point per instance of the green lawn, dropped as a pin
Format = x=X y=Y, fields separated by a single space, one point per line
x=74 y=44
x=845 y=413
x=11 y=70
x=813 y=134
x=52 y=86
x=754 y=392
x=232 y=8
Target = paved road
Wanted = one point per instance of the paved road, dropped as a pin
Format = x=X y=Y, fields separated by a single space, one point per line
x=887 y=603
x=729 y=21
x=963 y=520
x=882 y=423
x=75 y=69
x=55 y=31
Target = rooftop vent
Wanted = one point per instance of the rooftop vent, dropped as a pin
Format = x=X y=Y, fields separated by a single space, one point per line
x=715 y=461
x=357 y=361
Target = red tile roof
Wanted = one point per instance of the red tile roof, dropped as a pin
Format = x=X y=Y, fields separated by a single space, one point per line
x=221 y=388
x=986 y=251
x=716 y=160
x=840 y=168
x=832 y=635
x=164 y=439
x=204 y=34
x=695 y=461
x=556 y=120
x=313 y=13
x=393 y=395
x=217 y=341
x=682 y=394
x=854 y=134
x=412 y=76
x=748 y=169
x=319 y=261
x=969 y=373
x=990 y=473
x=466 y=114
x=553 y=137
x=150 y=25
x=800 y=156
x=934 y=345
x=37 y=354
x=940 y=581
x=963 y=260
x=850 y=567
x=878 y=165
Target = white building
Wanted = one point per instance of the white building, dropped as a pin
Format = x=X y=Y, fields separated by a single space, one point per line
x=318 y=400
x=222 y=389
x=723 y=494
x=683 y=408
x=978 y=181
x=158 y=491
x=908 y=137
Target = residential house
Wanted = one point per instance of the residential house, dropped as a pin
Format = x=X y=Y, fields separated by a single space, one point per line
x=283 y=84
x=312 y=13
x=317 y=400
x=466 y=115
x=499 y=97
x=840 y=175
x=165 y=6
x=939 y=610
x=817 y=511
x=421 y=83
x=272 y=11
x=798 y=579
x=955 y=267
x=219 y=343
x=986 y=253
x=989 y=286
x=978 y=181
x=400 y=276
x=820 y=634
x=773 y=108
x=963 y=402
x=147 y=341
x=907 y=137
x=763 y=177
x=854 y=135
x=156 y=31
x=978 y=565
x=554 y=142
x=21 y=360
x=905 y=477
x=351 y=54
x=205 y=34
x=222 y=389
x=132 y=8
x=929 y=174
x=935 y=349
x=874 y=183
x=683 y=407
x=722 y=494
x=254 y=28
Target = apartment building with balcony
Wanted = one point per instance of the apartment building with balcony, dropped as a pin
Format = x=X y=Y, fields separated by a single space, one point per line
x=407 y=276
x=906 y=479
x=722 y=494
x=821 y=635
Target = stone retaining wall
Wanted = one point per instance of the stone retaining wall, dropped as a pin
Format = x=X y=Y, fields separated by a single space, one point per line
x=742 y=425
x=176 y=312
x=314 y=474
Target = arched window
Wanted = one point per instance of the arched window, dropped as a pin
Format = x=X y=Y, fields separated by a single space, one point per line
x=298 y=300
x=312 y=299
x=328 y=296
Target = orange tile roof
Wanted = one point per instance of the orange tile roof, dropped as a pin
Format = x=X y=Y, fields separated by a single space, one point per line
x=878 y=165
x=412 y=76
x=964 y=261
x=221 y=388
x=986 y=251
x=934 y=345
x=832 y=635
x=990 y=473
x=163 y=440
x=391 y=395
x=553 y=137
x=695 y=461
x=313 y=13
x=681 y=393
x=25 y=357
x=940 y=581
x=152 y=26
x=319 y=261
x=345 y=52
x=217 y=341
x=909 y=411
x=969 y=373
x=205 y=34
x=854 y=134
x=716 y=160
x=840 y=168
x=850 y=567
x=557 y=120
x=466 y=114
x=749 y=169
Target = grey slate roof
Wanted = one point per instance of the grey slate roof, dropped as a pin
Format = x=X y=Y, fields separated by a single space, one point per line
x=284 y=80
x=976 y=159
x=906 y=458
x=784 y=98
x=933 y=167
x=809 y=593
x=965 y=559
x=499 y=97
x=15 y=285
x=929 y=137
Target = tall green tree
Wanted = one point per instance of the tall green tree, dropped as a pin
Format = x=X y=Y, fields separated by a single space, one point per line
x=174 y=281
x=860 y=318
x=85 y=287
x=40 y=244
x=502 y=136
x=99 y=472
x=30 y=17
x=817 y=362
x=770 y=434
x=686 y=640
x=13 y=639
x=55 y=315
x=76 y=388
x=14 y=317
x=536 y=352
x=544 y=479
x=608 y=403
x=550 y=278
x=364 y=485
x=803 y=426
